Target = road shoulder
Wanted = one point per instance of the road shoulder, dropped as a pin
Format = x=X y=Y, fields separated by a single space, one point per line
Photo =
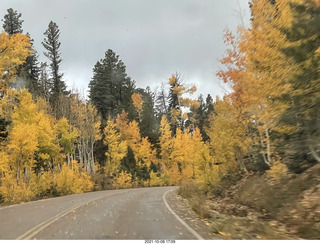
x=182 y=209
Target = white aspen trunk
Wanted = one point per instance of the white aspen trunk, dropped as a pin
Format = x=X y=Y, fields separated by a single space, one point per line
x=314 y=153
x=239 y=160
x=85 y=159
x=92 y=160
x=80 y=154
x=268 y=147
x=68 y=157
x=263 y=146
x=25 y=175
x=18 y=169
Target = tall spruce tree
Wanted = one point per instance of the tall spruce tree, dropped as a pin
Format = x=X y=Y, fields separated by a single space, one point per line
x=12 y=24
x=175 y=112
x=30 y=71
x=110 y=88
x=149 y=127
x=161 y=103
x=52 y=44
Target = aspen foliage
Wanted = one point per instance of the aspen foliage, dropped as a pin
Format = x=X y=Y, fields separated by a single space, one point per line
x=154 y=180
x=123 y=180
x=67 y=136
x=137 y=101
x=166 y=142
x=130 y=133
x=72 y=180
x=14 y=50
x=117 y=149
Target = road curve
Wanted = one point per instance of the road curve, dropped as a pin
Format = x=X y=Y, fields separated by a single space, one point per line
x=131 y=214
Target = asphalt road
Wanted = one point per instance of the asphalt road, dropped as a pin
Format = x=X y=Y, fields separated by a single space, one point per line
x=115 y=214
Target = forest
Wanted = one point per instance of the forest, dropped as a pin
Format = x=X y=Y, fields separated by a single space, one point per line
x=55 y=141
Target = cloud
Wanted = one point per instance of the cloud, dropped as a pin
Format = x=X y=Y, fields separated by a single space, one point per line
x=153 y=38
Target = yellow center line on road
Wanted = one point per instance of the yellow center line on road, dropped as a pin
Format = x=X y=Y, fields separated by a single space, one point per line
x=38 y=228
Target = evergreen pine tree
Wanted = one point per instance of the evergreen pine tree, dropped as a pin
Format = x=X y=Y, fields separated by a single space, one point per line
x=12 y=24
x=174 y=104
x=149 y=127
x=161 y=104
x=52 y=44
x=111 y=88
x=30 y=71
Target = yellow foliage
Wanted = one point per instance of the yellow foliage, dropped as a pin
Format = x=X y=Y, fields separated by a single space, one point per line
x=12 y=192
x=117 y=149
x=154 y=180
x=123 y=180
x=278 y=171
x=166 y=143
x=172 y=80
x=67 y=135
x=178 y=90
x=226 y=132
x=23 y=144
x=144 y=152
x=4 y=162
x=175 y=114
x=137 y=101
x=26 y=110
x=71 y=180
x=130 y=133
x=6 y=107
x=175 y=175
x=14 y=50
x=44 y=184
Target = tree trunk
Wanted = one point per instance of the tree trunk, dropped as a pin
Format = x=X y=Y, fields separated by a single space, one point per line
x=68 y=157
x=268 y=147
x=265 y=158
x=314 y=153
x=92 y=160
x=80 y=154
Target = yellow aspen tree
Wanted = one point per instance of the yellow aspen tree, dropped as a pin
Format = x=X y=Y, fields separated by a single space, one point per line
x=14 y=50
x=123 y=180
x=145 y=153
x=67 y=136
x=141 y=147
x=49 y=150
x=23 y=137
x=268 y=71
x=72 y=180
x=137 y=103
x=117 y=149
x=85 y=118
x=166 y=143
x=200 y=157
x=23 y=144
x=226 y=134
x=4 y=163
x=177 y=101
x=129 y=131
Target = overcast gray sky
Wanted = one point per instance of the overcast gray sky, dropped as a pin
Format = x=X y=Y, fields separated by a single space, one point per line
x=154 y=38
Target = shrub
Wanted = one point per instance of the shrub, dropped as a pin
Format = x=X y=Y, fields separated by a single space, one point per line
x=123 y=180
x=12 y=192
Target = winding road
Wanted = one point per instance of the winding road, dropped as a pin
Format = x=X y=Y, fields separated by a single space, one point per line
x=130 y=214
